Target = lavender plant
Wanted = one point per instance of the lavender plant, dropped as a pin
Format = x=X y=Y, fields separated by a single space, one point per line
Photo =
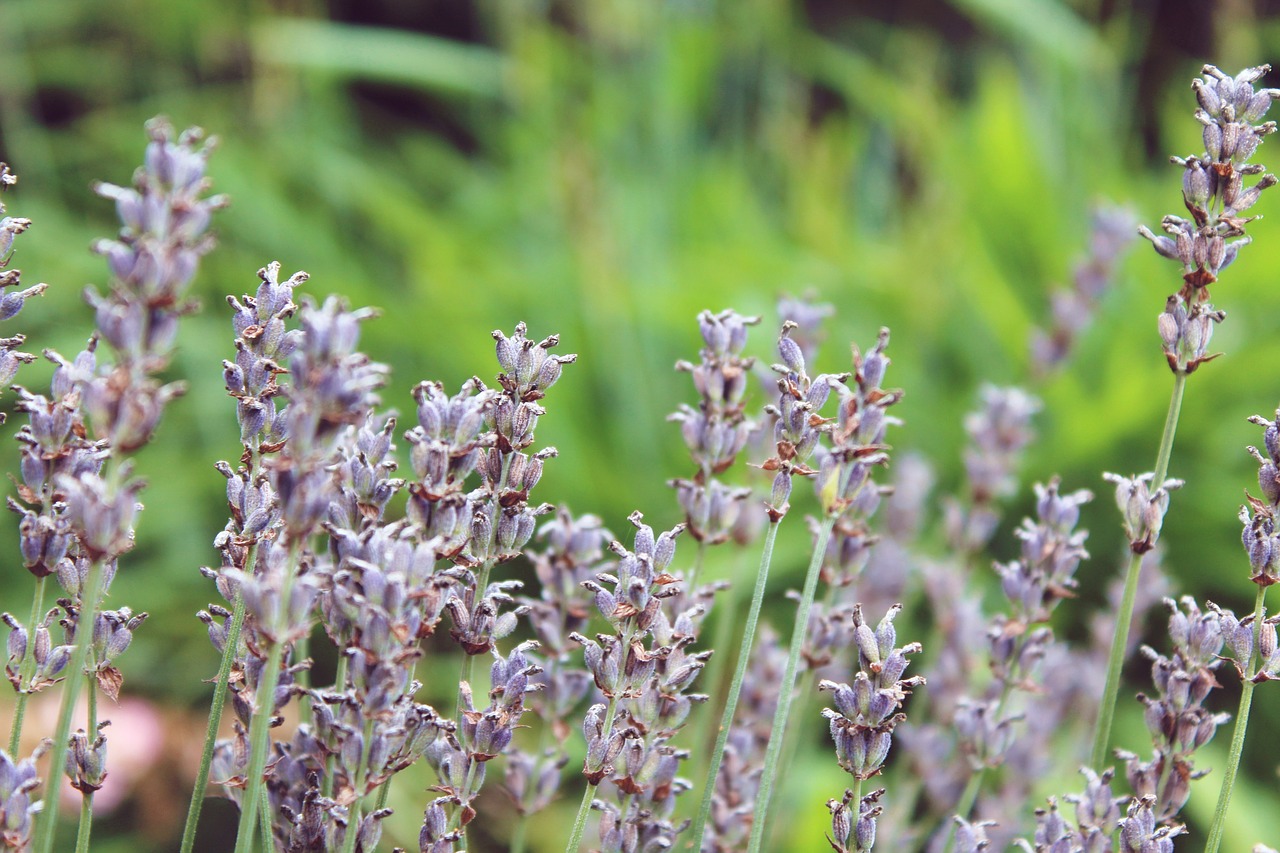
x=1214 y=194
x=317 y=550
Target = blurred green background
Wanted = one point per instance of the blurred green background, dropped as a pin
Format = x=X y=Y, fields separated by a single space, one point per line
x=607 y=169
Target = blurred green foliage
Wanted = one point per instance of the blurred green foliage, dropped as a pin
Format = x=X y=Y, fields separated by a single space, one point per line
x=607 y=169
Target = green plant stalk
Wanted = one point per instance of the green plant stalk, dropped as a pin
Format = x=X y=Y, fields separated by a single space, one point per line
x=714 y=675
x=857 y=804
x=86 y=797
x=259 y=738
x=26 y=670
x=580 y=821
x=353 y=814
x=339 y=683
x=465 y=673
x=47 y=827
x=222 y=684
x=735 y=687
x=787 y=689
x=264 y=821
x=260 y=732
x=806 y=695
x=1124 y=619
x=1237 y=737
x=220 y=688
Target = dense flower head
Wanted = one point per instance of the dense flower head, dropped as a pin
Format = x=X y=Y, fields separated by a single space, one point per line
x=1176 y=716
x=1213 y=183
x=1142 y=507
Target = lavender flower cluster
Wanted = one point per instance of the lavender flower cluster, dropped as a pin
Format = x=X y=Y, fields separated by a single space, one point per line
x=610 y=661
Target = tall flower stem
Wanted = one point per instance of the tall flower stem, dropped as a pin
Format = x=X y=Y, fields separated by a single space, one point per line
x=353 y=813
x=584 y=808
x=787 y=688
x=86 y=802
x=260 y=731
x=339 y=682
x=1237 y=737
x=220 y=687
x=215 y=715
x=26 y=669
x=48 y=824
x=735 y=686
x=1124 y=619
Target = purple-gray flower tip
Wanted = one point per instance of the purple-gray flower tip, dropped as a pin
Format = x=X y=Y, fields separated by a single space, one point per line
x=86 y=761
x=1139 y=832
x=1142 y=508
x=971 y=837
x=528 y=368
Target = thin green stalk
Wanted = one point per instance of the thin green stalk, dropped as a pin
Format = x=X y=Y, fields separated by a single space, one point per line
x=26 y=670
x=362 y=775
x=221 y=685
x=519 y=836
x=967 y=798
x=465 y=672
x=580 y=822
x=1124 y=619
x=857 y=801
x=259 y=739
x=339 y=684
x=264 y=821
x=220 y=689
x=86 y=797
x=1237 y=737
x=260 y=732
x=806 y=695
x=735 y=687
x=47 y=826
x=787 y=689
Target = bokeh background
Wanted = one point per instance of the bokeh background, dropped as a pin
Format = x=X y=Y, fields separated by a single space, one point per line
x=607 y=169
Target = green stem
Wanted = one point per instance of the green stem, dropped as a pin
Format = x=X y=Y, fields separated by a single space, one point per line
x=259 y=739
x=339 y=684
x=857 y=806
x=580 y=821
x=86 y=797
x=260 y=731
x=1237 y=738
x=222 y=683
x=264 y=821
x=787 y=690
x=1124 y=620
x=735 y=687
x=26 y=670
x=220 y=690
x=967 y=798
x=362 y=775
x=47 y=826
x=790 y=750
x=519 y=836
x=464 y=674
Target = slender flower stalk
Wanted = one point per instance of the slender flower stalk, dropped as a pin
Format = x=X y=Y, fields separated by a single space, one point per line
x=735 y=688
x=1214 y=194
x=796 y=434
x=843 y=477
x=152 y=261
